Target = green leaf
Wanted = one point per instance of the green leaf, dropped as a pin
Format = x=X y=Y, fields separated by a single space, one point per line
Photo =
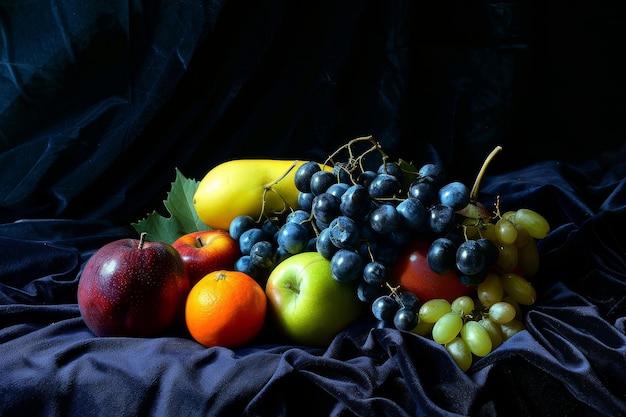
x=409 y=173
x=183 y=217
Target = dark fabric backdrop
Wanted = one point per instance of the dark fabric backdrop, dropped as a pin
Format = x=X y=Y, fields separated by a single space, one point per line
x=100 y=101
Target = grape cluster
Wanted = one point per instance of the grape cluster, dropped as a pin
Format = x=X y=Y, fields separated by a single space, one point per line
x=506 y=241
x=364 y=218
x=264 y=244
x=397 y=309
x=361 y=219
x=473 y=327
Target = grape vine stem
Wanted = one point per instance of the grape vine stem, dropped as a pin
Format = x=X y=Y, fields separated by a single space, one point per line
x=270 y=187
x=481 y=173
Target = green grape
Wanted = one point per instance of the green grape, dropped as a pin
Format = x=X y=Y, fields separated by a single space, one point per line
x=519 y=288
x=430 y=311
x=515 y=304
x=489 y=232
x=532 y=221
x=494 y=330
x=506 y=232
x=511 y=328
x=490 y=290
x=523 y=237
x=460 y=352
x=508 y=215
x=463 y=305
x=502 y=312
x=423 y=328
x=476 y=338
x=447 y=328
x=471 y=229
x=508 y=257
x=528 y=258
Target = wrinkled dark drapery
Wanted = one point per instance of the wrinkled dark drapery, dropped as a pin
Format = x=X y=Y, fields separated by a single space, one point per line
x=101 y=101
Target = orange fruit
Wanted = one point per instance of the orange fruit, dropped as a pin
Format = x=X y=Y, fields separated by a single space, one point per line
x=225 y=308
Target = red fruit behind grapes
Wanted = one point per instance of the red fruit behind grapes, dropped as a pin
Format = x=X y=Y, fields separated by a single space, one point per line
x=413 y=274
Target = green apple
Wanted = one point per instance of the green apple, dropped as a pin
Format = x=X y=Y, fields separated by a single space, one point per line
x=309 y=306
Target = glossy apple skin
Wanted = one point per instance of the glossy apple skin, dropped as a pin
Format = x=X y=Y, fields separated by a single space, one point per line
x=308 y=305
x=412 y=273
x=206 y=251
x=125 y=290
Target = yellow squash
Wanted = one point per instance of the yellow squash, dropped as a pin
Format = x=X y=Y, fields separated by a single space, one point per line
x=254 y=187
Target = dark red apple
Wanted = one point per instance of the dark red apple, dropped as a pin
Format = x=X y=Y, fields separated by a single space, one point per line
x=132 y=287
x=207 y=251
x=413 y=273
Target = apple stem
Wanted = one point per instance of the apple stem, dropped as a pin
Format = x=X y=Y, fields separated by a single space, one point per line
x=481 y=173
x=199 y=240
x=142 y=239
x=288 y=286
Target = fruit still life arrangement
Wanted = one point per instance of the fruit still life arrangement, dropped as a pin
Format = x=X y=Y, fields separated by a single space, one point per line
x=313 y=246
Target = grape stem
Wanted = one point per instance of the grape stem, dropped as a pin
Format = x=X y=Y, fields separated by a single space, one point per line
x=358 y=160
x=270 y=187
x=481 y=173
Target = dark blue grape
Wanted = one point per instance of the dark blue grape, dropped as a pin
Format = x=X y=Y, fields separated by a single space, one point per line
x=262 y=254
x=240 y=224
x=454 y=194
x=303 y=176
x=405 y=319
x=392 y=168
x=280 y=254
x=344 y=232
x=337 y=189
x=346 y=265
x=250 y=237
x=367 y=293
x=355 y=202
x=441 y=255
x=365 y=178
x=409 y=300
x=425 y=191
x=301 y=216
x=311 y=245
x=384 y=186
x=384 y=308
x=320 y=224
x=324 y=245
x=244 y=264
x=413 y=212
x=321 y=180
x=470 y=257
x=384 y=219
x=473 y=279
x=366 y=232
x=342 y=173
x=305 y=201
x=298 y=216
x=269 y=227
x=441 y=219
x=434 y=172
x=293 y=237
x=325 y=208
x=492 y=253
x=375 y=273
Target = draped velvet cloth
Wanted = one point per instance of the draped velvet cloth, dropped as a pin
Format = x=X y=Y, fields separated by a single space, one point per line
x=100 y=101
